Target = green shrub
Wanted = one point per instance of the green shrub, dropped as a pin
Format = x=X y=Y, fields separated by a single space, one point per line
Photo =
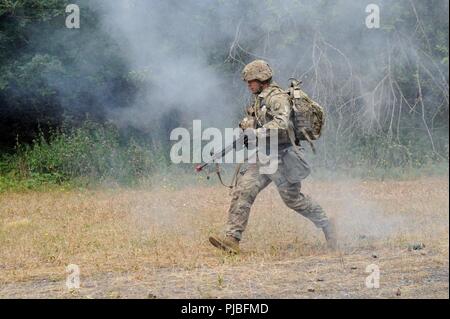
x=92 y=152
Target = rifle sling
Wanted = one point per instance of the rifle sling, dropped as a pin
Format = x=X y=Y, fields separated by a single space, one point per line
x=233 y=181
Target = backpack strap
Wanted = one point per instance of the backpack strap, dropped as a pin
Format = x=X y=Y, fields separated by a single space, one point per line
x=306 y=135
x=291 y=135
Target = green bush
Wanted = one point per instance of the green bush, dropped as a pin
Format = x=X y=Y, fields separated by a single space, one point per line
x=92 y=152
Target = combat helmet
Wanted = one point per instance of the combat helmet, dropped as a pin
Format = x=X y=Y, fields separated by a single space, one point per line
x=257 y=70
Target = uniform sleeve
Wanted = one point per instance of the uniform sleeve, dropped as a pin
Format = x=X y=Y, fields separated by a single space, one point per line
x=279 y=108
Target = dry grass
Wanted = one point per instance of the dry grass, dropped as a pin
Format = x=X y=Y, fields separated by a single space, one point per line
x=128 y=243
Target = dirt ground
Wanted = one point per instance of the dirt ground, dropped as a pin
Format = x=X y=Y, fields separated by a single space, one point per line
x=152 y=243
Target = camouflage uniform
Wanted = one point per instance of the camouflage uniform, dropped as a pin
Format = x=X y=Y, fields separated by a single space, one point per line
x=271 y=110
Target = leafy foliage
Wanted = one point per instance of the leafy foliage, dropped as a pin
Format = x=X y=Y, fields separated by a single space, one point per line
x=92 y=153
x=386 y=95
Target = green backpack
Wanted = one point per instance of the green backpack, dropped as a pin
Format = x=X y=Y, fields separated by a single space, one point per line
x=307 y=117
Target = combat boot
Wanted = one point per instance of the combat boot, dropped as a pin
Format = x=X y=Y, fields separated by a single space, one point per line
x=330 y=235
x=228 y=243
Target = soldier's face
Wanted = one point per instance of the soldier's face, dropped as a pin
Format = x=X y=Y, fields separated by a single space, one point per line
x=255 y=86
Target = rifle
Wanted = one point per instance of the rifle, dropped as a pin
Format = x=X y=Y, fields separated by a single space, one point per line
x=218 y=155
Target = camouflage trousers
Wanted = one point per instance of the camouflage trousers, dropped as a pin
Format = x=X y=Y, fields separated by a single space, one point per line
x=251 y=183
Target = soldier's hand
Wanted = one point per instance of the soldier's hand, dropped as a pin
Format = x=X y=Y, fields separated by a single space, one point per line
x=246 y=123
